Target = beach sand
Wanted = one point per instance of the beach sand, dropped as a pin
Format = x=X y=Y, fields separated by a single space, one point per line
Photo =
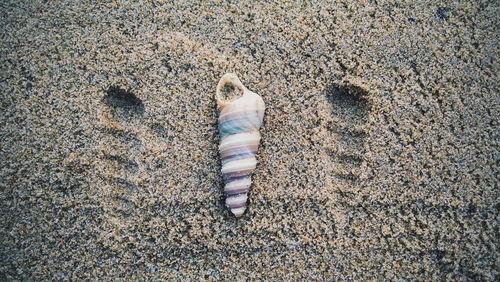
x=378 y=160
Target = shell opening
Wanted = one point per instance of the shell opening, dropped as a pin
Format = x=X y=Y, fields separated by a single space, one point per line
x=227 y=84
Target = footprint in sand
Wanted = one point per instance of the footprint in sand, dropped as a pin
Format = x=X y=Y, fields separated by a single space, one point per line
x=345 y=136
x=120 y=146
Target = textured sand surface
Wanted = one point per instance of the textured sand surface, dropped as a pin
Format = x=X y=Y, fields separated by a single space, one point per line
x=379 y=156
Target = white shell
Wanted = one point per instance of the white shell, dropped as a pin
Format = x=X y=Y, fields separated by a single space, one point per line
x=239 y=123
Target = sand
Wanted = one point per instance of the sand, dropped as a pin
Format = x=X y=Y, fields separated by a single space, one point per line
x=379 y=154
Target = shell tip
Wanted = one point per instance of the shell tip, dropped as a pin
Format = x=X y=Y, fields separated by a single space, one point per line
x=238 y=212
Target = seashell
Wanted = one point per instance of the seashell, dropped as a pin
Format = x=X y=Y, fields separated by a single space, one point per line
x=239 y=122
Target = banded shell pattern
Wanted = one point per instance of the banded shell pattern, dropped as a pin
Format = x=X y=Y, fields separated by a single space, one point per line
x=239 y=123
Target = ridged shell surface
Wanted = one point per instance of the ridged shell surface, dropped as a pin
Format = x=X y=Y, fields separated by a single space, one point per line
x=239 y=123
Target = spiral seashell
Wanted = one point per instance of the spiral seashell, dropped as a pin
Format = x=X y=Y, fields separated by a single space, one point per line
x=239 y=123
